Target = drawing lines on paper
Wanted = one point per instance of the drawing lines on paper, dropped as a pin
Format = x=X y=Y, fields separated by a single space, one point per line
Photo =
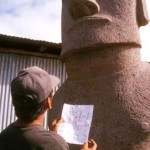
x=79 y=117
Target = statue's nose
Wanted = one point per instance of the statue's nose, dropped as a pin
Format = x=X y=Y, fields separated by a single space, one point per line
x=82 y=8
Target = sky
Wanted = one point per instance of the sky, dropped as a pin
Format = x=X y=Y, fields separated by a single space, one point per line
x=34 y=19
x=41 y=20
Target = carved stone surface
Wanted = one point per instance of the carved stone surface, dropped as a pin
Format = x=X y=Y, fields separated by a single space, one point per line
x=101 y=50
x=121 y=108
x=113 y=21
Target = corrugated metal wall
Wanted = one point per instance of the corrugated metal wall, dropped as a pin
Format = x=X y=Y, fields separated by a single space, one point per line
x=10 y=64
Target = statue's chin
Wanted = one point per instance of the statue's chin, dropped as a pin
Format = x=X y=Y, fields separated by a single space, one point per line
x=87 y=33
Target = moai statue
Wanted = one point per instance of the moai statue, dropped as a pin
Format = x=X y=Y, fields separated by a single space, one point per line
x=101 y=50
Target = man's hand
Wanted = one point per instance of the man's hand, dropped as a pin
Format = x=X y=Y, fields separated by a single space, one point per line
x=55 y=125
x=90 y=145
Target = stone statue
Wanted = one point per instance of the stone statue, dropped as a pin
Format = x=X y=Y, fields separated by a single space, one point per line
x=101 y=50
x=95 y=23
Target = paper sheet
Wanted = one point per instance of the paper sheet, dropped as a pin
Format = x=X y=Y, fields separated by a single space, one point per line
x=76 y=123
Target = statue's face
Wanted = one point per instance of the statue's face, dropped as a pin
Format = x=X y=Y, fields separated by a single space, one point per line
x=95 y=23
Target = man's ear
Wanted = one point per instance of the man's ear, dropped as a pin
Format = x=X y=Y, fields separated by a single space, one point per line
x=49 y=103
x=142 y=13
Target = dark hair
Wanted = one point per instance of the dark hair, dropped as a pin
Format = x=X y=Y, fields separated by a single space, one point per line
x=26 y=109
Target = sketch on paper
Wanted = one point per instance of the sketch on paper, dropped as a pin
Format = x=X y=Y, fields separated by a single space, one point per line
x=76 y=123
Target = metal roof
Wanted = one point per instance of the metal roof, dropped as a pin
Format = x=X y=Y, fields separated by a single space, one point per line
x=29 y=45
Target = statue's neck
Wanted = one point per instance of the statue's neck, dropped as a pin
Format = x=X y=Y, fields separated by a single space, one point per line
x=101 y=62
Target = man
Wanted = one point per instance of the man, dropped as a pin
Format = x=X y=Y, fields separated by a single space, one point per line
x=32 y=96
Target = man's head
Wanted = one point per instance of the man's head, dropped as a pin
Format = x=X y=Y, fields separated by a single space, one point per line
x=30 y=91
x=92 y=24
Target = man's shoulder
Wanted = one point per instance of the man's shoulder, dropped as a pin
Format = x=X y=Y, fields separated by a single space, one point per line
x=7 y=130
x=52 y=139
x=44 y=138
x=35 y=135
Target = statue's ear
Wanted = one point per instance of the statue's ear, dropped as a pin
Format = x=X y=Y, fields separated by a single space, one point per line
x=142 y=13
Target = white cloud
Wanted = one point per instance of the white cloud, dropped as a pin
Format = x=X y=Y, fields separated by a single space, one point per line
x=35 y=19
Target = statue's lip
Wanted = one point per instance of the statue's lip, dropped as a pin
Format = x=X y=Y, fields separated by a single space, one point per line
x=100 y=19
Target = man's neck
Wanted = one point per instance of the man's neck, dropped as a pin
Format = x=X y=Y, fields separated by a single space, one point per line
x=38 y=121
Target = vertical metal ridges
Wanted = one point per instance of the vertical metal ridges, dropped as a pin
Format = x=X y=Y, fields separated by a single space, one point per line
x=10 y=64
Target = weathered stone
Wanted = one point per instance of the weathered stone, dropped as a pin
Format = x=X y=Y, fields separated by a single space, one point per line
x=115 y=21
x=102 y=56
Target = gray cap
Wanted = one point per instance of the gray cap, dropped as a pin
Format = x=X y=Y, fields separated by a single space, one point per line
x=35 y=83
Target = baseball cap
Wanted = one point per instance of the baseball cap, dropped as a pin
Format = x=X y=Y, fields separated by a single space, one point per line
x=34 y=83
